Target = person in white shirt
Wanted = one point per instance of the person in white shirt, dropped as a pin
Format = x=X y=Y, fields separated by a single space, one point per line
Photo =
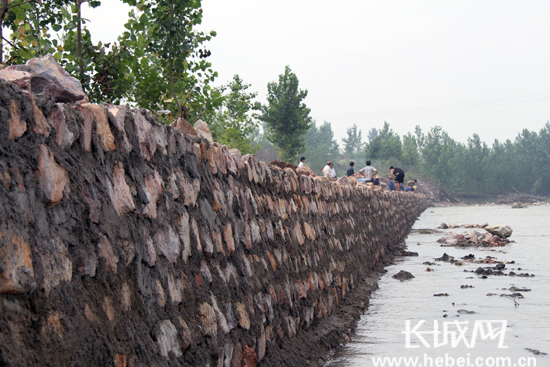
x=302 y=162
x=329 y=171
x=368 y=173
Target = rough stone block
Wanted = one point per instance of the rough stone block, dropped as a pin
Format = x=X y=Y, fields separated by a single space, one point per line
x=16 y=269
x=182 y=224
x=102 y=126
x=207 y=315
x=119 y=113
x=184 y=126
x=242 y=316
x=18 y=77
x=106 y=251
x=57 y=120
x=168 y=243
x=85 y=128
x=222 y=322
x=53 y=178
x=119 y=192
x=146 y=136
x=249 y=359
x=167 y=338
x=17 y=127
x=204 y=132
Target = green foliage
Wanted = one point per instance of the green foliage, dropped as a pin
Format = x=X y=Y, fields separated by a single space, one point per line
x=167 y=62
x=353 y=143
x=320 y=147
x=159 y=62
x=233 y=125
x=386 y=145
x=286 y=117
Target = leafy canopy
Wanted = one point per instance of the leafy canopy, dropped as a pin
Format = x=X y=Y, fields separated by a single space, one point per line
x=233 y=124
x=285 y=115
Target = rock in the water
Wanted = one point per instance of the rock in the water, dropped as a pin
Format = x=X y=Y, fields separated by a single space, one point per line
x=443 y=226
x=203 y=131
x=48 y=76
x=499 y=230
x=403 y=275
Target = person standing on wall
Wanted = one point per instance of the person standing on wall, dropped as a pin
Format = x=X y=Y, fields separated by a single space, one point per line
x=368 y=173
x=350 y=171
x=329 y=171
x=302 y=162
x=398 y=176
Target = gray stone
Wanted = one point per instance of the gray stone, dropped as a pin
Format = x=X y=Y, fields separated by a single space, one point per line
x=49 y=77
x=204 y=132
x=167 y=337
x=499 y=230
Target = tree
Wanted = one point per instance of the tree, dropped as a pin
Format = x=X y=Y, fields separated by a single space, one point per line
x=386 y=145
x=373 y=133
x=233 y=124
x=167 y=62
x=320 y=146
x=353 y=144
x=410 y=156
x=286 y=117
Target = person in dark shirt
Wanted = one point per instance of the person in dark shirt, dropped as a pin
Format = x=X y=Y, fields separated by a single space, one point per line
x=398 y=176
x=351 y=171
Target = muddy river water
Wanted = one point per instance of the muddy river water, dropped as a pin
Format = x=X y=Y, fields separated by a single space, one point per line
x=475 y=324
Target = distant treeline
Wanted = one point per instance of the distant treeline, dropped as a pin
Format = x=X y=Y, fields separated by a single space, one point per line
x=471 y=169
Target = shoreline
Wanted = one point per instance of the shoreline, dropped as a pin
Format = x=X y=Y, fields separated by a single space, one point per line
x=315 y=346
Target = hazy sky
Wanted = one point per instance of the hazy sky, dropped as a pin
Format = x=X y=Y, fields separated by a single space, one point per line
x=470 y=66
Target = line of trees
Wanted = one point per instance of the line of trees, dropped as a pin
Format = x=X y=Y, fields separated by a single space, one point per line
x=160 y=62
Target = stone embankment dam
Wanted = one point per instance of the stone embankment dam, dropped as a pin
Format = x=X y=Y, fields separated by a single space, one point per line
x=124 y=242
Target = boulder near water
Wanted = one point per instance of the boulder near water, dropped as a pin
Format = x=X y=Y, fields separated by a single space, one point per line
x=403 y=275
x=499 y=230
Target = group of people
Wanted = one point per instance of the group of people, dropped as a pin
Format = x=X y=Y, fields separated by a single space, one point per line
x=370 y=174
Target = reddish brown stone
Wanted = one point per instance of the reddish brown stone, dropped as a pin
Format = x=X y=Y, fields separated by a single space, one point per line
x=217 y=238
x=146 y=137
x=228 y=236
x=108 y=308
x=184 y=126
x=89 y=313
x=53 y=178
x=102 y=126
x=56 y=265
x=119 y=113
x=271 y=260
x=249 y=357
x=85 y=128
x=242 y=316
x=16 y=269
x=119 y=192
x=120 y=360
x=153 y=188
x=106 y=251
x=16 y=125
x=302 y=292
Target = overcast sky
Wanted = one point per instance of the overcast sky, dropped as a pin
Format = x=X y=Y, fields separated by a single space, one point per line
x=470 y=66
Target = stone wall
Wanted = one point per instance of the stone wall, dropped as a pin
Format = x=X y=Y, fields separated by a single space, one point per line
x=125 y=242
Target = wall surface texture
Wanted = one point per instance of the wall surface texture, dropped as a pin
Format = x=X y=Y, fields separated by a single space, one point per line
x=125 y=242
